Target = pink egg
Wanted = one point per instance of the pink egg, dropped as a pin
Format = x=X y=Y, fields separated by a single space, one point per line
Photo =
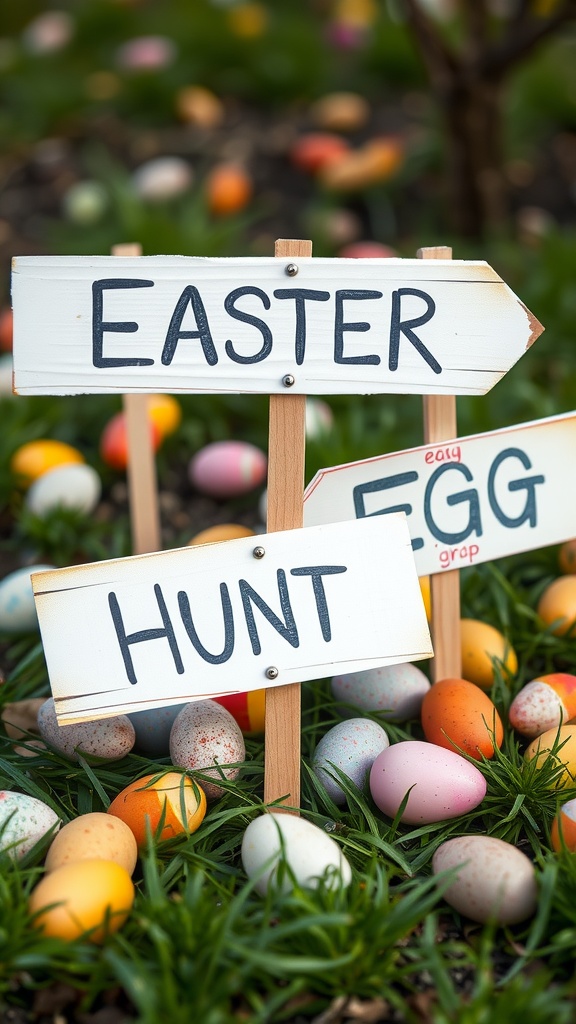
x=225 y=469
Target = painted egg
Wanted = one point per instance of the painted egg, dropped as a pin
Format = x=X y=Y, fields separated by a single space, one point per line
x=223 y=531
x=558 y=747
x=563 y=831
x=481 y=644
x=442 y=784
x=73 y=486
x=165 y=412
x=206 y=734
x=458 y=714
x=162 y=178
x=274 y=840
x=225 y=469
x=152 y=729
x=105 y=738
x=24 y=820
x=168 y=805
x=351 y=746
x=319 y=418
x=114 y=441
x=6 y=373
x=557 y=605
x=396 y=692
x=249 y=709
x=17 y=606
x=92 y=896
x=495 y=881
x=544 y=704
x=34 y=458
x=93 y=836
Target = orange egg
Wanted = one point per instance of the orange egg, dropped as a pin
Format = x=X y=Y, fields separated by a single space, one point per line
x=563 y=832
x=228 y=189
x=114 y=441
x=172 y=801
x=223 y=531
x=315 y=150
x=6 y=329
x=165 y=412
x=35 y=458
x=458 y=715
x=424 y=582
x=93 y=896
x=567 y=556
x=248 y=709
x=480 y=644
x=563 y=741
x=557 y=605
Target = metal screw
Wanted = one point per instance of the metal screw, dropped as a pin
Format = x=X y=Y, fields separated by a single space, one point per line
x=288 y=380
x=291 y=269
x=272 y=672
x=259 y=552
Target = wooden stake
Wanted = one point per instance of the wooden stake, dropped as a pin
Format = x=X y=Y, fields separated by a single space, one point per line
x=440 y=425
x=286 y=454
x=141 y=465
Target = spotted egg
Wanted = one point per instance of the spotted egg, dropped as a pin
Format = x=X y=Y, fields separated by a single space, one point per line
x=206 y=738
x=24 y=821
x=395 y=692
x=17 y=607
x=274 y=842
x=93 y=836
x=352 y=747
x=544 y=703
x=225 y=469
x=494 y=882
x=106 y=738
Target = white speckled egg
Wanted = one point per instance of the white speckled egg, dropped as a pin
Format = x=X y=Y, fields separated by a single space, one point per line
x=225 y=469
x=108 y=738
x=204 y=734
x=74 y=485
x=496 y=881
x=353 y=747
x=394 y=691
x=17 y=607
x=24 y=820
x=153 y=729
x=272 y=840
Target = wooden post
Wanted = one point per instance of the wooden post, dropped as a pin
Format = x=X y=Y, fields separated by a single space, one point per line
x=440 y=425
x=285 y=511
x=141 y=464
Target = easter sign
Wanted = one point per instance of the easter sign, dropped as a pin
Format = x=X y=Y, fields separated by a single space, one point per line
x=469 y=500
x=262 y=325
x=152 y=630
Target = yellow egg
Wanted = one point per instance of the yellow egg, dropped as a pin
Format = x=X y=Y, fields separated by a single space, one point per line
x=165 y=412
x=558 y=605
x=480 y=643
x=223 y=531
x=92 y=896
x=94 y=836
x=35 y=458
x=426 y=595
x=541 y=748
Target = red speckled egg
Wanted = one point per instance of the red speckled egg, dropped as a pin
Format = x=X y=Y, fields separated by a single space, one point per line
x=206 y=738
x=225 y=469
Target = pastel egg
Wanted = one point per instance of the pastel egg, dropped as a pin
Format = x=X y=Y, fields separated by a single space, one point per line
x=495 y=881
x=340 y=111
x=162 y=178
x=319 y=418
x=396 y=692
x=226 y=469
x=165 y=412
x=248 y=709
x=106 y=738
x=92 y=896
x=17 y=606
x=72 y=486
x=206 y=734
x=482 y=645
x=557 y=605
x=351 y=746
x=544 y=704
x=223 y=531
x=274 y=840
x=85 y=202
x=34 y=458
x=93 y=836
x=558 y=748
x=152 y=729
x=442 y=784
x=458 y=714
x=146 y=53
x=563 y=831
x=167 y=805
x=24 y=821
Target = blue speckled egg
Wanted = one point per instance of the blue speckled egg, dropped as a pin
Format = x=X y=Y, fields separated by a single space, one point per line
x=17 y=607
x=24 y=820
x=395 y=692
x=353 y=747
x=152 y=729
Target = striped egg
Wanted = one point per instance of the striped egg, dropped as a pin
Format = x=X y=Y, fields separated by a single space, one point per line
x=545 y=703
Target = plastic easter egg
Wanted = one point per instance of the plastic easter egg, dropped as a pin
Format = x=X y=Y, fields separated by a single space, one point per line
x=106 y=738
x=6 y=375
x=24 y=821
x=73 y=486
x=165 y=412
x=396 y=692
x=457 y=714
x=563 y=831
x=34 y=458
x=248 y=709
x=17 y=607
x=340 y=111
x=114 y=441
x=92 y=896
x=544 y=704
x=319 y=418
x=563 y=742
x=442 y=784
x=225 y=469
x=152 y=729
x=480 y=644
x=162 y=178
x=205 y=734
x=566 y=555
x=557 y=605
x=351 y=746
x=168 y=805
x=495 y=881
x=223 y=531
x=274 y=840
x=93 y=836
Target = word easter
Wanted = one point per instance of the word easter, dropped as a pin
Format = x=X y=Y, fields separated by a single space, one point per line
x=467 y=501
x=174 y=626
x=119 y=324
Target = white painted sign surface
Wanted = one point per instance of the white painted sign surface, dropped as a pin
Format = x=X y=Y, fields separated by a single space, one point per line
x=467 y=501
x=202 y=621
x=185 y=324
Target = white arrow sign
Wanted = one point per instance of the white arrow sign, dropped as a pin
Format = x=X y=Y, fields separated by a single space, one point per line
x=467 y=501
x=316 y=326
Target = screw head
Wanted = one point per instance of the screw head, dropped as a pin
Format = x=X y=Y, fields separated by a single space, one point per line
x=259 y=552
x=272 y=672
x=288 y=380
x=291 y=269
